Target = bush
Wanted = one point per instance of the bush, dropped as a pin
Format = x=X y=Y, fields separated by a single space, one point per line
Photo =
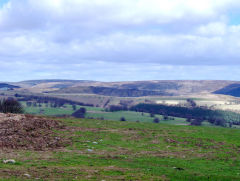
x=220 y=122
x=114 y=108
x=196 y=122
x=165 y=117
x=10 y=106
x=156 y=120
x=189 y=120
x=122 y=119
x=152 y=115
x=191 y=103
x=74 y=107
x=80 y=113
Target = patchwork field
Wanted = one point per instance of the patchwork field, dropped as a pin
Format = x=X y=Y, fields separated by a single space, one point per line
x=100 y=113
x=220 y=102
x=114 y=150
x=213 y=101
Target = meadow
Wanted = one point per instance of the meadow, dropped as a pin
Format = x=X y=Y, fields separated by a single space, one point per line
x=100 y=113
x=115 y=150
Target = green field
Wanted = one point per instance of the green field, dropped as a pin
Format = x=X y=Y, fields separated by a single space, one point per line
x=47 y=111
x=131 y=151
x=99 y=113
x=133 y=116
x=51 y=111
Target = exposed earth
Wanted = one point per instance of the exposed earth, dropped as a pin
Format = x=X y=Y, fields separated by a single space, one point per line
x=29 y=132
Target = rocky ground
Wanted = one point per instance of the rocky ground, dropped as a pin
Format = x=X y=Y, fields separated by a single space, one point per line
x=18 y=131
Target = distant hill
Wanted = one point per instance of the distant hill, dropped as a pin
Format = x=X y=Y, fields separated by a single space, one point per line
x=4 y=86
x=129 y=88
x=143 y=88
x=111 y=91
x=232 y=90
x=35 y=82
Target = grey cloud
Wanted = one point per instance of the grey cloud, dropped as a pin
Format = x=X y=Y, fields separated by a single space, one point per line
x=45 y=37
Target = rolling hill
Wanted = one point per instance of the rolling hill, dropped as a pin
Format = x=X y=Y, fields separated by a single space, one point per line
x=5 y=86
x=211 y=93
x=232 y=90
x=126 y=89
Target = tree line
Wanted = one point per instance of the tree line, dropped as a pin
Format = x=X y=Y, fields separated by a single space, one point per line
x=10 y=105
x=194 y=115
x=33 y=100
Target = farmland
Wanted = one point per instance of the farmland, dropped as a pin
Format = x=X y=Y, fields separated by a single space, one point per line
x=100 y=113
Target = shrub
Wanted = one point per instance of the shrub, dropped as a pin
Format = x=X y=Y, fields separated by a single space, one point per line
x=80 y=113
x=165 y=117
x=156 y=120
x=196 y=122
x=74 y=107
x=10 y=106
x=122 y=119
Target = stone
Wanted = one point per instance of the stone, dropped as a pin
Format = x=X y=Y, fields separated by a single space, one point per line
x=9 y=161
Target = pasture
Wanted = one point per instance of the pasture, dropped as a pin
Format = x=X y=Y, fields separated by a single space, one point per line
x=114 y=150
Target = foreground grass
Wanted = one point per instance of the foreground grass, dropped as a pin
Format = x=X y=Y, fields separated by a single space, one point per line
x=111 y=150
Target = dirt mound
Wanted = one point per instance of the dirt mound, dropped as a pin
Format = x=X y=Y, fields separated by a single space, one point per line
x=19 y=131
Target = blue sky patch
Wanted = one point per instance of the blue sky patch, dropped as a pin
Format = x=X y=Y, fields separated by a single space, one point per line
x=2 y=2
x=234 y=18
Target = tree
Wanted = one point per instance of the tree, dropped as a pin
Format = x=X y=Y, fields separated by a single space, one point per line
x=220 y=122
x=114 y=108
x=165 y=117
x=34 y=104
x=152 y=115
x=80 y=113
x=10 y=106
x=83 y=110
x=74 y=107
x=122 y=119
x=29 y=104
x=196 y=122
x=189 y=120
x=156 y=120
x=191 y=103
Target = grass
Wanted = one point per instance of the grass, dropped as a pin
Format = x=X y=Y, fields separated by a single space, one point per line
x=132 y=151
x=133 y=116
x=97 y=113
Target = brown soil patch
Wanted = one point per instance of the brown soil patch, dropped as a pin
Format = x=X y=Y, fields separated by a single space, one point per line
x=29 y=132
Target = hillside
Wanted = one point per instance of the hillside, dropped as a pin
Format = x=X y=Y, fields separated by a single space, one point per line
x=4 y=86
x=232 y=90
x=212 y=93
x=111 y=150
x=148 y=88
x=125 y=89
x=111 y=91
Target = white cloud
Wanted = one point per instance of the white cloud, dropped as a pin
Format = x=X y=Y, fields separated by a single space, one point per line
x=67 y=33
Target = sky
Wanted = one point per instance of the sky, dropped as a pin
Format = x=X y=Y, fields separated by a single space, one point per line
x=112 y=40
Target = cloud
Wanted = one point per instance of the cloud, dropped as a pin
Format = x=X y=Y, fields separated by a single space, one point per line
x=61 y=34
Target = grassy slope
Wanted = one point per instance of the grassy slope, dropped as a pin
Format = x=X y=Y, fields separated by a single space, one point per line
x=133 y=151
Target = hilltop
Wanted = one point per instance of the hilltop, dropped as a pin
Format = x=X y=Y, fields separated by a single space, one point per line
x=156 y=87
x=111 y=150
